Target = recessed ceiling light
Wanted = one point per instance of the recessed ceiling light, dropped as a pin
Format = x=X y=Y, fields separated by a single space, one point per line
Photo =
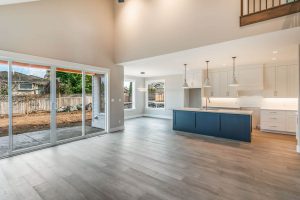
x=275 y=52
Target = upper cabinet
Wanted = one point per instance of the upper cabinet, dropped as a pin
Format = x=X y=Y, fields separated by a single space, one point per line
x=281 y=81
x=194 y=78
x=250 y=78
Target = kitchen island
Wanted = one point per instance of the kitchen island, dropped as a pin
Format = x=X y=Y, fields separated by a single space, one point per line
x=230 y=124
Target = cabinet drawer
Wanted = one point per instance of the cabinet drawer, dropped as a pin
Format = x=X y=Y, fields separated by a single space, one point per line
x=273 y=118
x=272 y=112
x=272 y=126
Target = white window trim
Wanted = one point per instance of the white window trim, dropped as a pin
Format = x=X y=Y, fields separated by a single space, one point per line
x=133 y=94
x=154 y=81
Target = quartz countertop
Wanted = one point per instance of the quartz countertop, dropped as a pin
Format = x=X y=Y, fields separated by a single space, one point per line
x=226 y=111
x=280 y=109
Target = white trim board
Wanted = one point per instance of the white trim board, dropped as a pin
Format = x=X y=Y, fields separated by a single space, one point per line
x=18 y=57
x=158 y=116
x=115 y=129
x=133 y=116
x=298 y=148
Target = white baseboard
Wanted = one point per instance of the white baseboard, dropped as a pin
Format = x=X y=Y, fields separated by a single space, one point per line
x=298 y=148
x=133 y=116
x=115 y=129
x=158 y=116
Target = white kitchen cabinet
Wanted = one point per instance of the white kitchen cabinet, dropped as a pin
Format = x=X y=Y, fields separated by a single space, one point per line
x=278 y=121
x=250 y=78
x=291 y=122
x=281 y=81
x=293 y=81
x=194 y=78
x=223 y=84
x=214 y=78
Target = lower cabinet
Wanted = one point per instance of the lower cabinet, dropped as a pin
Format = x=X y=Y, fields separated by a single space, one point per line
x=278 y=121
x=184 y=121
x=224 y=125
x=236 y=127
x=208 y=123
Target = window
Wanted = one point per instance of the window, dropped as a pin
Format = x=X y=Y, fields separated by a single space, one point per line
x=155 y=94
x=25 y=86
x=129 y=94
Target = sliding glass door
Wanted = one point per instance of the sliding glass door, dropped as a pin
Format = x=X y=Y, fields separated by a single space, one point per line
x=44 y=105
x=95 y=119
x=69 y=104
x=31 y=105
x=4 y=139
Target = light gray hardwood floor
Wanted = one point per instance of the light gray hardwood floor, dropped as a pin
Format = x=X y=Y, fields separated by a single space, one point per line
x=150 y=161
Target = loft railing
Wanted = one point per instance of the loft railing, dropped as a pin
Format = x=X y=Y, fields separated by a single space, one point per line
x=253 y=11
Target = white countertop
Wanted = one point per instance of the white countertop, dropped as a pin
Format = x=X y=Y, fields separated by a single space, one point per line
x=226 y=111
x=280 y=109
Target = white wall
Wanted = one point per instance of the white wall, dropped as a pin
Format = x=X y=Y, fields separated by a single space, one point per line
x=174 y=96
x=146 y=28
x=139 y=98
x=68 y=30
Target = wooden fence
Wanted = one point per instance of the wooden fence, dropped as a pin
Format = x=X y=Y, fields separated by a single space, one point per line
x=40 y=104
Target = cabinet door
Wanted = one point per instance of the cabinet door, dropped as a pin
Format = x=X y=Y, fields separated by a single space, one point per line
x=281 y=81
x=233 y=91
x=293 y=81
x=269 y=81
x=224 y=92
x=184 y=121
x=250 y=78
x=291 y=122
x=215 y=83
x=208 y=123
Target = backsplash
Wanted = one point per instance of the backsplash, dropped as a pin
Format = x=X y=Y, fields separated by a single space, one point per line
x=280 y=103
x=254 y=102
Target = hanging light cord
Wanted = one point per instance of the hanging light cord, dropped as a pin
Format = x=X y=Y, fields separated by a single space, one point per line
x=233 y=72
x=185 y=73
x=207 y=69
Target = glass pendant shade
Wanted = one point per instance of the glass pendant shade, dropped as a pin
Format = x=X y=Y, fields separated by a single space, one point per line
x=185 y=84
x=207 y=82
x=234 y=82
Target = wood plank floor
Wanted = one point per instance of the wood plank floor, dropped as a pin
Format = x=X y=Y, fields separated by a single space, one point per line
x=149 y=161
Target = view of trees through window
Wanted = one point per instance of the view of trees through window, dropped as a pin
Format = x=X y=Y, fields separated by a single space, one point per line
x=128 y=94
x=156 y=94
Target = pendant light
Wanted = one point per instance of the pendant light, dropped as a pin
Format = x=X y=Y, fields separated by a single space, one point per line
x=234 y=82
x=206 y=82
x=185 y=84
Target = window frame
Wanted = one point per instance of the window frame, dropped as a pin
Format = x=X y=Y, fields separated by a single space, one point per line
x=133 y=94
x=147 y=94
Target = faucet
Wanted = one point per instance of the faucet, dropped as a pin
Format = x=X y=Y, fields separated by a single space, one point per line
x=207 y=100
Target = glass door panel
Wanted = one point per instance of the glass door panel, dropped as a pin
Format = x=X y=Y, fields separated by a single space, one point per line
x=69 y=103
x=94 y=103
x=31 y=105
x=4 y=141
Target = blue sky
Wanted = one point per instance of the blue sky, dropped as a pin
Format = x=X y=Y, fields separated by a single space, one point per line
x=25 y=70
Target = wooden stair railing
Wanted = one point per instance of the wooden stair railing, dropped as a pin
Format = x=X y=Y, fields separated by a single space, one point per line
x=253 y=11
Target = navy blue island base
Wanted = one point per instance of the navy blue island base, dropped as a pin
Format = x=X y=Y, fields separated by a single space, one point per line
x=230 y=125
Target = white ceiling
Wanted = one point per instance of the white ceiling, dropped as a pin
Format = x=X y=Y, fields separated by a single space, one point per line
x=249 y=51
x=7 y=2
